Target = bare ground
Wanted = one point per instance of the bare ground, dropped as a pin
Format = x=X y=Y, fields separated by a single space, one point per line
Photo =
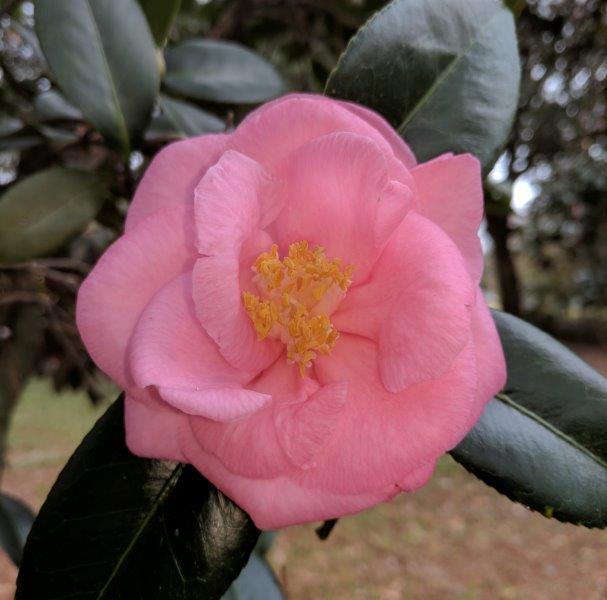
x=454 y=539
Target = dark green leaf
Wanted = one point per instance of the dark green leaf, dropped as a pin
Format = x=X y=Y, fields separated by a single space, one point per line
x=543 y=440
x=444 y=73
x=118 y=527
x=44 y=211
x=256 y=582
x=161 y=128
x=221 y=72
x=19 y=142
x=59 y=135
x=10 y=125
x=15 y=523
x=102 y=55
x=52 y=106
x=188 y=120
x=160 y=15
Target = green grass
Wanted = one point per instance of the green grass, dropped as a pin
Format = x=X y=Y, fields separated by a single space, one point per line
x=46 y=424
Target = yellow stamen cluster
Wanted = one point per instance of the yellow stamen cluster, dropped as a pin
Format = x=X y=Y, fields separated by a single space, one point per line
x=297 y=291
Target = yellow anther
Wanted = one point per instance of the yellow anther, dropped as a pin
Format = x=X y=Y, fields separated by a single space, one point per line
x=296 y=292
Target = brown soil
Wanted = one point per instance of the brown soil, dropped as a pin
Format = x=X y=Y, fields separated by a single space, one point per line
x=454 y=539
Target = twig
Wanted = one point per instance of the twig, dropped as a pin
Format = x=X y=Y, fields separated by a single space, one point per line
x=34 y=297
x=325 y=529
x=69 y=264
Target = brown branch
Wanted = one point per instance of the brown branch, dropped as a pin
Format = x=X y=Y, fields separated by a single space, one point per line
x=68 y=264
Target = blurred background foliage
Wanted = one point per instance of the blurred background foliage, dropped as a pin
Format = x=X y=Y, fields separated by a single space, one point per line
x=67 y=172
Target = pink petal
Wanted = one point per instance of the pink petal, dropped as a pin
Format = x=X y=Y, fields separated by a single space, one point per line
x=418 y=478
x=232 y=202
x=220 y=310
x=113 y=296
x=291 y=432
x=399 y=147
x=305 y=427
x=394 y=204
x=385 y=438
x=416 y=305
x=153 y=428
x=338 y=196
x=276 y=129
x=490 y=360
x=170 y=350
x=450 y=193
x=170 y=179
x=279 y=502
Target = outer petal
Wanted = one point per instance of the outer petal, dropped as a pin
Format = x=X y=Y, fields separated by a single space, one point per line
x=338 y=195
x=113 y=296
x=416 y=305
x=450 y=193
x=170 y=350
x=153 y=428
x=170 y=179
x=279 y=502
x=418 y=478
x=385 y=438
x=233 y=200
x=399 y=147
x=490 y=360
x=277 y=128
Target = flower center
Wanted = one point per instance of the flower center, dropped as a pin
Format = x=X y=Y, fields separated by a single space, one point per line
x=297 y=295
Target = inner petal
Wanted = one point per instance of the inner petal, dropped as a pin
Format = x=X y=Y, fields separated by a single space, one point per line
x=297 y=295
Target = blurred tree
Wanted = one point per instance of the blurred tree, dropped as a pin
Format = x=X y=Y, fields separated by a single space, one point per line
x=559 y=146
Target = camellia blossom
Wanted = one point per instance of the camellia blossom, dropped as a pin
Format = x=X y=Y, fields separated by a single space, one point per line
x=294 y=309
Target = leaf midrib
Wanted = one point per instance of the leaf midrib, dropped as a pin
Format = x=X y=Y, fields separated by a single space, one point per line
x=121 y=121
x=445 y=74
x=506 y=399
x=162 y=494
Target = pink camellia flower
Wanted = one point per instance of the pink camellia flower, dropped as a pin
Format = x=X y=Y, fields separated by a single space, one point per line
x=294 y=310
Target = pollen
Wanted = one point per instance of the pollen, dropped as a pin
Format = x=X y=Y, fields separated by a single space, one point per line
x=297 y=293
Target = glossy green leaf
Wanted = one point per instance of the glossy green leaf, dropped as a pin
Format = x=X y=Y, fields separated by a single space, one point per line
x=52 y=106
x=161 y=129
x=160 y=15
x=188 y=120
x=255 y=582
x=44 y=211
x=221 y=72
x=543 y=440
x=119 y=527
x=102 y=55
x=15 y=523
x=444 y=73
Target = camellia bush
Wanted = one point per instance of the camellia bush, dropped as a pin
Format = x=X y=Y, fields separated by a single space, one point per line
x=292 y=311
